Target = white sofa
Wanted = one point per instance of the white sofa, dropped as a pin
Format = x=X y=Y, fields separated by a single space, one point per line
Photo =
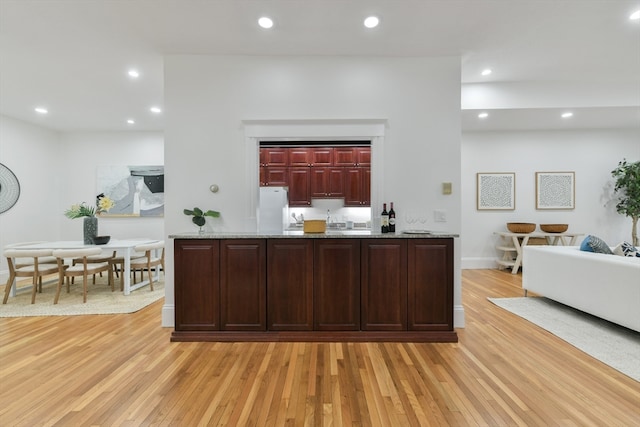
x=606 y=286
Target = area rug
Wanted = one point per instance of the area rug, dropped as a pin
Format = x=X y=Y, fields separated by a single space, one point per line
x=100 y=300
x=612 y=344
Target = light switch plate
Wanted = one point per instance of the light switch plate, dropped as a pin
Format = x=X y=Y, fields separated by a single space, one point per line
x=446 y=188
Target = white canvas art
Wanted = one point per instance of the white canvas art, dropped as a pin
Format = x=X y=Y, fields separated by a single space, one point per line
x=496 y=191
x=555 y=190
x=138 y=191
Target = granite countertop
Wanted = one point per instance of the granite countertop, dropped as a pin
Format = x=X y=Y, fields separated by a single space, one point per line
x=329 y=234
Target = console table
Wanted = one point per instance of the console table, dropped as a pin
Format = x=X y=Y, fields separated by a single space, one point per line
x=512 y=243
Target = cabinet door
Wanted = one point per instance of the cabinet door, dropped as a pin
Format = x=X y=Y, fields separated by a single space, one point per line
x=290 y=284
x=197 y=285
x=357 y=186
x=274 y=156
x=363 y=156
x=430 y=284
x=274 y=176
x=384 y=284
x=344 y=156
x=300 y=156
x=322 y=156
x=327 y=182
x=336 y=282
x=299 y=186
x=243 y=297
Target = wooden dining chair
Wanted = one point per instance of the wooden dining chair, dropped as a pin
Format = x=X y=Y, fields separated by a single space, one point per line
x=95 y=259
x=149 y=260
x=82 y=268
x=30 y=266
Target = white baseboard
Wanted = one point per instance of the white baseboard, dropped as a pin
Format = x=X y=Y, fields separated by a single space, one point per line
x=168 y=315
x=458 y=316
x=478 y=263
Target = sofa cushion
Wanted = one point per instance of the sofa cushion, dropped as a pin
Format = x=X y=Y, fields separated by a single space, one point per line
x=595 y=244
x=626 y=249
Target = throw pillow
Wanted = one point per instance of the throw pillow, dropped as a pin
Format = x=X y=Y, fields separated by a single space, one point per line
x=595 y=244
x=626 y=249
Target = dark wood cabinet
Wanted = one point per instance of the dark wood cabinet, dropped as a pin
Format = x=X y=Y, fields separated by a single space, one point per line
x=290 y=284
x=243 y=290
x=357 y=186
x=430 y=284
x=274 y=156
x=319 y=172
x=336 y=285
x=197 y=285
x=300 y=156
x=384 y=284
x=274 y=176
x=314 y=289
x=300 y=187
x=327 y=182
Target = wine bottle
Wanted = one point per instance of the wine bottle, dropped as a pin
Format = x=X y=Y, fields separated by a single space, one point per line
x=384 y=219
x=392 y=219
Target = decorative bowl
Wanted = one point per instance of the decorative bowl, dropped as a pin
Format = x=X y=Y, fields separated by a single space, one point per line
x=101 y=240
x=520 y=227
x=554 y=228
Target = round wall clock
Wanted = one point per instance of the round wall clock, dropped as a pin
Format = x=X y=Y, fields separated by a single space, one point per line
x=9 y=189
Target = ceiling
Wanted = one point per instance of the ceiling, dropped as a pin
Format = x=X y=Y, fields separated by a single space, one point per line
x=72 y=56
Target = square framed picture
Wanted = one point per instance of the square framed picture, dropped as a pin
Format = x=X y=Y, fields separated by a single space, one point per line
x=496 y=191
x=555 y=190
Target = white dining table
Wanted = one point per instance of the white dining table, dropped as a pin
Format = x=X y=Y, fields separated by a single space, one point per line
x=124 y=246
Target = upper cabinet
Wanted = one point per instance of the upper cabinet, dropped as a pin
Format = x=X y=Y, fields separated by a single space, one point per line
x=332 y=172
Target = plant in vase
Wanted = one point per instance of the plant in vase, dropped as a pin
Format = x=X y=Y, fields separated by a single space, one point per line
x=627 y=188
x=199 y=217
x=88 y=212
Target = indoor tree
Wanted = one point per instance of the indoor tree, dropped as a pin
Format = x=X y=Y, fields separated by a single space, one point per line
x=627 y=189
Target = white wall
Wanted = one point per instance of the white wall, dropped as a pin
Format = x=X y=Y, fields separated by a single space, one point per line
x=208 y=97
x=592 y=154
x=84 y=152
x=33 y=154
x=56 y=170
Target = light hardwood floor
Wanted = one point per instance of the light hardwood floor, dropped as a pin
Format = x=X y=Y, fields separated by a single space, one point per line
x=121 y=370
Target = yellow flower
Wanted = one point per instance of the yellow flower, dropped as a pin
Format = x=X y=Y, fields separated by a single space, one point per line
x=104 y=204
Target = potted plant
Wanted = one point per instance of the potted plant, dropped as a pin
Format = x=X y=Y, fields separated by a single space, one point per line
x=199 y=216
x=627 y=189
x=88 y=212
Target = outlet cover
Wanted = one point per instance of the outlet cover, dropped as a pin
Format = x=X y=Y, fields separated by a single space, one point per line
x=440 y=215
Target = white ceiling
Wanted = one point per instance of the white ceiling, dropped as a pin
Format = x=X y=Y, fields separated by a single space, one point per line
x=72 y=55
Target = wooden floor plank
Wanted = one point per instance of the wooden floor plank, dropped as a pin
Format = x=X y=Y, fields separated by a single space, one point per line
x=122 y=370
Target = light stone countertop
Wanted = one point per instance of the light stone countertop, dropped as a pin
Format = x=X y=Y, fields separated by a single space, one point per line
x=329 y=234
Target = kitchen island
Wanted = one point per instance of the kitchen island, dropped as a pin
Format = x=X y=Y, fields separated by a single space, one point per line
x=347 y=285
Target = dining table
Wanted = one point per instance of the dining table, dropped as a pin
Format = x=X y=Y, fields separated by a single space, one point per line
x=123 y=246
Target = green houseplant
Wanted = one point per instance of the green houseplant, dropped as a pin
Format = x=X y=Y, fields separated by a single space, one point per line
x=627 y=189
x=199 y=217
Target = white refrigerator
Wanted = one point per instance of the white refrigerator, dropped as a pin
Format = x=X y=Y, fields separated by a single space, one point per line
x=273 y=211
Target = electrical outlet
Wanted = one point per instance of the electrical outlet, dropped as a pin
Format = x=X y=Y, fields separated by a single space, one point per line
x=440 y=215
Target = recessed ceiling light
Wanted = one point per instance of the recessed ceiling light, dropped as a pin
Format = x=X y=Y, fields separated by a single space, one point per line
x=134 y=74
x=156 y=110
x=567 y=115
x=41 y=110
x=131 y=121
x=265 y=22
x=371 y=22
x=635 y=15
x=486 y=72
x=483 y=115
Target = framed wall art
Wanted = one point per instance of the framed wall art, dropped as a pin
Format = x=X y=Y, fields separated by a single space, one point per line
x=496 y=191
x=138 y=191
x=555 y=190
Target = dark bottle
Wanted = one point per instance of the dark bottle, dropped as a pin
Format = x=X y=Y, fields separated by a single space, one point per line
x=392 y=219
x=384 y=219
